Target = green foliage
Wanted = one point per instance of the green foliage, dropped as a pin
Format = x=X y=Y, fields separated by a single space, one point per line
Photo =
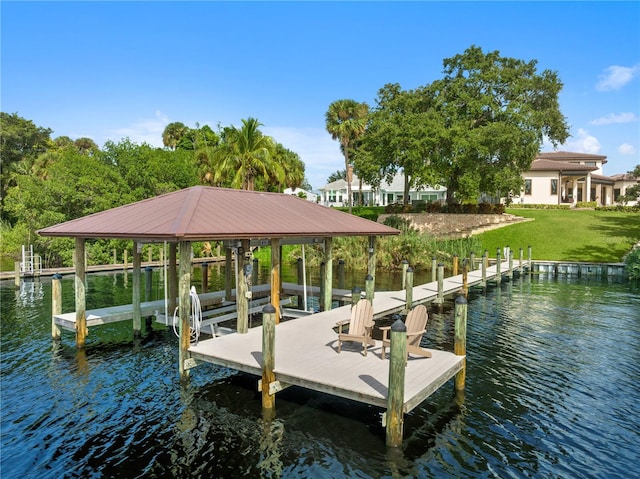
x=586 y=204
x=632 y=264
x=399 y=223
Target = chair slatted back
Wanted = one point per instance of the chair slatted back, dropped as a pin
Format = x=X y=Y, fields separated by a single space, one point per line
x=361 y=317
x=416 y=321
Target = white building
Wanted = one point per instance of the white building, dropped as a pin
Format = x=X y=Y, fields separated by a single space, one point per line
x=565 y=178
x=308 y=195
x=335 y=194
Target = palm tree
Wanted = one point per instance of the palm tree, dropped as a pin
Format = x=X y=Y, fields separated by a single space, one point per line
x=346 y=121
x=172 y=134
x=244 y=154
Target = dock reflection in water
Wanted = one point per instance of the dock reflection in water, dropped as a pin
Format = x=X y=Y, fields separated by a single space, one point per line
x=552 y=391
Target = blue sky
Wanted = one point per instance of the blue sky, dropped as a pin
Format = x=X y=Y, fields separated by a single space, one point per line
x=109 y=70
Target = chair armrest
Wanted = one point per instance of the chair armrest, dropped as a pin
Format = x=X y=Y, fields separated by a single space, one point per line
x=385 y=330
x=343 y=322
x=417 y=333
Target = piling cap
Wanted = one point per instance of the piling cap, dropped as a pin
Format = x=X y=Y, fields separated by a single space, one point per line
x=399 y=326
x=369 y=277
x=461 y=300
x=268 y=309
x=57 y=276
x=409 y=269
x=404 y=261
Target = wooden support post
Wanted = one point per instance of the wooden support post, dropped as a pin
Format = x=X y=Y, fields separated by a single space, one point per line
x=150 y=253
x=323 y=272
x=440 y=297
x=465 y=288
x=80 y=292
x=125 y=259
x=135 y=288
x=530 y=259
x=485 y=260
x=405 y=266
x=341 y=273
x=185 y=307
x=148 y=293
x=173 y=277
x=115 y=256
x=242 y=288
x=228 y=272
x=472 y=261
x=275 y=277
x=371 y=263
x=328 y=275
x=255 y=271
x=204 y=270
x=395 y=399
x=498 y=267
x=434 y=269
x=369 y=288
x=520 y=267
x=510 y=253
x=460 y=339
x=356 y=295
x=56 y=304
x=17 y=272
x=455 y=265
x=301 y=281
x=269 y=319
x=409 y=290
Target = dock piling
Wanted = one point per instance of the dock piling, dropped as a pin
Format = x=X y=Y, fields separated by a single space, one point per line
x=369 y=288
x=498 y=264
x=460 y=339
x=434 y=269
x=440 y=298
x=268 y=355
x=204 y=269
x=395 y=400
x=409 y=290
x=405 y=266
x=56 y=304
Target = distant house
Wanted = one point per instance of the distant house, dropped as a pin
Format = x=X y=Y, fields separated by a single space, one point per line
x=308 y=195
x=624 y=181
x=335 y=193
x=565 y=178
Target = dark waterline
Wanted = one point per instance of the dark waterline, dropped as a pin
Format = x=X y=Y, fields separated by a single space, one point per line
x=552 y=391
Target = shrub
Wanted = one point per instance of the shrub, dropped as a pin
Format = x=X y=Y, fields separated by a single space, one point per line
x=586 y=204
x=632 y=264
x=485 y=208
x=399 y=223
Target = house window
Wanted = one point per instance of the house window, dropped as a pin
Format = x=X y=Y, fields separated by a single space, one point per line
x=616 y=194
x=527 y=187
x=554 y=186
x=332 y=197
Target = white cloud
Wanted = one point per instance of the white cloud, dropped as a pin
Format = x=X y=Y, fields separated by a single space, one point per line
x=320 y=154
x=144 y=131
x=612 y=118
x=616 y=76
x=626 y=149
x=583 y=143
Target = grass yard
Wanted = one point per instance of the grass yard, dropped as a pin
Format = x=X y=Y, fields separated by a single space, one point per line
x=568 y=235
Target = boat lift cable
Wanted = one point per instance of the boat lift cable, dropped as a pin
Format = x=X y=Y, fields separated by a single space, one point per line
x=195 y=318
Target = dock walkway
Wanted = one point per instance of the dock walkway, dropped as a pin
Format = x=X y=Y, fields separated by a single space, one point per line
x=306 y=351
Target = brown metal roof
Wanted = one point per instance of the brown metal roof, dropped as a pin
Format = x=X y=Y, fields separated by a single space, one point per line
x=540 y=164
x=203 y=213
x=569 y=156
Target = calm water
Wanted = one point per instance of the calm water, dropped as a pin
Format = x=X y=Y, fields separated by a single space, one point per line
x=552 y=391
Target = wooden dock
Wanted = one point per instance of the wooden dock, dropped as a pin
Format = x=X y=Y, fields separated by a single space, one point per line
x=213 y=300
x=306 y=351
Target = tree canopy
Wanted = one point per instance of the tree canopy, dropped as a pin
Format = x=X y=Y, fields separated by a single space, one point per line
x=47 y=181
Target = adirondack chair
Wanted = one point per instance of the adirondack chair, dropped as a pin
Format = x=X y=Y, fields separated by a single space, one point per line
x=416 y=324
x=360 y=326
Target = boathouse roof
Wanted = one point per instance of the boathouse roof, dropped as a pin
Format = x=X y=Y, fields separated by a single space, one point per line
x=202 y=213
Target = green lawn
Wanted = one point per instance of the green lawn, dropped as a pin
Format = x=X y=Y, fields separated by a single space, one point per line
x=568 y=235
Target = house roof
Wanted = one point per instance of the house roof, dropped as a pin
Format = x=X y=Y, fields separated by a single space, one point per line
x=625 y=177
x=204 y=213
x=570 y=156
x=540 y=164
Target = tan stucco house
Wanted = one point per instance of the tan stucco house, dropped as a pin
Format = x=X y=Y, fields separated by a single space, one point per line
x=566 y=178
